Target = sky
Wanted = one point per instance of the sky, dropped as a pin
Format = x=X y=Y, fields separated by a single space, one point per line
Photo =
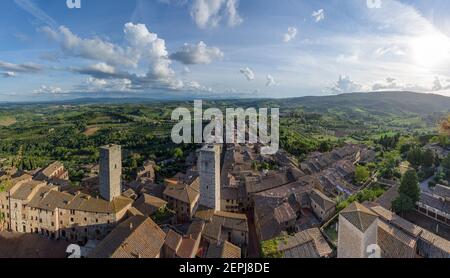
x=52 y=50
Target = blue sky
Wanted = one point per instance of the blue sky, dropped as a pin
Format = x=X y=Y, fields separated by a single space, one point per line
x=221 y=48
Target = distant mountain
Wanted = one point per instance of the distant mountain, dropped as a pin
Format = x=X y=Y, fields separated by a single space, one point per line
x=374 y=103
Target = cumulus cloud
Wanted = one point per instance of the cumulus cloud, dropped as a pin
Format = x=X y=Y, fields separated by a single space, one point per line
x=209 y=13
x=270 y=81
x=197 y=54
x=45 y=89
x=391 y=84
x=345 y=85
x=141 y=48
x=290 y=35
x=248 y=73
x=318 y=15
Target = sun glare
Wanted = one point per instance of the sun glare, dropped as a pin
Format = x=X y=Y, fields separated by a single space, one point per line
x=430 y=50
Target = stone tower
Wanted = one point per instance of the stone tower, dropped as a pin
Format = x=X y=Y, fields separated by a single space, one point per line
x=358 y=229
x=209 y=168
x=110 y=171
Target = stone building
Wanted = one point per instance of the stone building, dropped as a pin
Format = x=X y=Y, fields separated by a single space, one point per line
x=358 y=229
x=36 y=206
x=209 y=166
x=322 y=206
x=110 y=172
x=225 y=226
x=182 y=195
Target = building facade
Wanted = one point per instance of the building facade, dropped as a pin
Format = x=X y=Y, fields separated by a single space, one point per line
x=209 y=166
x=110 y=171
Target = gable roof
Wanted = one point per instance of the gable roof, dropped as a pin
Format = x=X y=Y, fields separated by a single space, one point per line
x=148 y=204
x=187 y=193
x=443 y=191
x=137 y=237
x=359 y=216
x=322 y=200
x=224 y=250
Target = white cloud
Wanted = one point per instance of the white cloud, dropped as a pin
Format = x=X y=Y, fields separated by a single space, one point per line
x=9 y=74
x=248 y=73
x=45 y=89
x=209 y=13
x=390 y=50
x=318 y=15
x=391 y=84
x=270 y=81
x=197 y=54
x=234 y=18
x=290 y=35
x=345 y=85
x=141 y=48
x=105 y=85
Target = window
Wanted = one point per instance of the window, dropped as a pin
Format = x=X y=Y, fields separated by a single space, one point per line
x=53 y=224
x=40 y=220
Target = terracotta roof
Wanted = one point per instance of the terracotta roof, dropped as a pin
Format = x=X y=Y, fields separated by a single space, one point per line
x=148 y=204
x=187 y=193
x=396 y=220
x=50 y=169
x=22 y=178
x=322 y=246
x=225 y=220
x=183 y=246
x=53 y=200
x=224 y=250
x=359 y=216
x=137 y=237
x=284 y=213
x=322 y=200
x=86 y=203
x=394 y=243
x=173 y=240
x=25 y=190
x=300 y=245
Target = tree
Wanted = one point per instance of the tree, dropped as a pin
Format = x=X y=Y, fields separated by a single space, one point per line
x=428 y=158
x=410 y=186
x=361 y=174
x=446 y=162
x=446 y=165
x=415 y=156
x=178 y=153
x=402 y=204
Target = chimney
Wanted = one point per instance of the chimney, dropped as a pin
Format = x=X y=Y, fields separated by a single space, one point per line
x=131 y=226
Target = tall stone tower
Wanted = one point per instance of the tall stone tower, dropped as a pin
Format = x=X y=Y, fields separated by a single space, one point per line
x=209 y=168
x=358 y=229
x=110 y=171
